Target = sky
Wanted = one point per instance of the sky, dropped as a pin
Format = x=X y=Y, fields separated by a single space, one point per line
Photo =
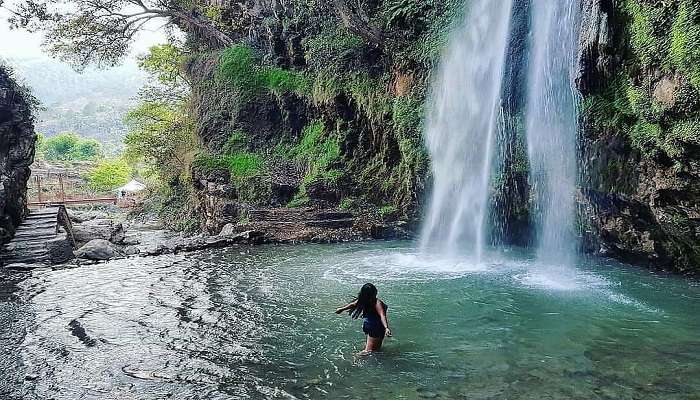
x=16 y=43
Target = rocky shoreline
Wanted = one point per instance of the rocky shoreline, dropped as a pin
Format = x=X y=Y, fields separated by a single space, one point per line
x=100 y=236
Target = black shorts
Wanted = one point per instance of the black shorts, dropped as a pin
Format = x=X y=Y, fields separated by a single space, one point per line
x=373 y=328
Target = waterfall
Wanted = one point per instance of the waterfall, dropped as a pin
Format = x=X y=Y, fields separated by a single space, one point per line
x=551 y=123
x=464 y=113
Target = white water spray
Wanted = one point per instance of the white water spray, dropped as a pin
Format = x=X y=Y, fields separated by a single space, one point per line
x=552 y=128
x=461 y=123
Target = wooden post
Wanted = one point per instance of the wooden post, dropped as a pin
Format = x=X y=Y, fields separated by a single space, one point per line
x=63 y=192
x=38 y=185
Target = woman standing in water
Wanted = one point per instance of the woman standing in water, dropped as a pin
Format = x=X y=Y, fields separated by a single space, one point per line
x=373 y=312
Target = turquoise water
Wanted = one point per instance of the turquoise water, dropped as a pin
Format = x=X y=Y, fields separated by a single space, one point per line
x=259 y=323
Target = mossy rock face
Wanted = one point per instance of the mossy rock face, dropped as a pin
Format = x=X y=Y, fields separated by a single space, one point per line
x=641 y=133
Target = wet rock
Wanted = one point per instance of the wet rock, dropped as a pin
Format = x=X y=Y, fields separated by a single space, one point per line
x=31 y=377
x=99 y=228
x=596 y=57
x=97 y=249
x=24 y=266
x=131 y=251
x=79 y=217
x=155 y=250
x=228 y=230
x=17 y=139
x=59 y=250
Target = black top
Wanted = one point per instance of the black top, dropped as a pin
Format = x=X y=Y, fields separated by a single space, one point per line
x=372 y=312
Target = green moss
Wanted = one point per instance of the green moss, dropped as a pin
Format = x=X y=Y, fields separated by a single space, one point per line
x=331 y=49
x=240 y=165
x=278 y=80
x=370 y=95
x=610 y=110
x=244 y=164
x=237 y=67
x=300 y=200
x=682 y=133
x=387 y=210
x=349 y=203
x=646 y=137
x=685 y=41
x=236 y=142
x=240 y=68
x=647 y=31
x=407 y=115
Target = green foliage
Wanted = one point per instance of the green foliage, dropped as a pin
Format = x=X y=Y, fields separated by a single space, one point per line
x=69 y=146
x=109 y=174
x=406 y=12
x=610 y=110
x=647 y=37
x=240 y=165
x=387 y=210
x=349 y=204
x=407 y=115
x=683 y=133
x=440 y=19
x=685 y=41
x=646 y=137
x=300 y=200
x=318 y=151
x=236 y=142
x=371 y=96
x=239 y=67
x=160 y=135
x=332 y=49
x=164 y=62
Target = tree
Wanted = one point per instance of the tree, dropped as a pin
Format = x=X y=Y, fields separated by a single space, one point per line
x=161 y=135
x=101 y=32
x=87 y=149
x=68 y=146
x=109 y=174
x=61 y=146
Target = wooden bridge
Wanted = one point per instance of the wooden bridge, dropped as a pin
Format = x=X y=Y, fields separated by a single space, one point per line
x=54 y=193
x=72 y=201
x=40 y=239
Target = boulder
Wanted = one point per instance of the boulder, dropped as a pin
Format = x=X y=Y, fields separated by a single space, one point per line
x=59 y=250
x=97 y=249
x=228 y=230
x=99 y=228
x=79 y=217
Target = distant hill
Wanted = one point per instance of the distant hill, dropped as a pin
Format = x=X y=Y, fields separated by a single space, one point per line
x=92 y=103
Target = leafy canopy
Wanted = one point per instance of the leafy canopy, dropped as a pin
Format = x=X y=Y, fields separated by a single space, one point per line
x=109 y=174
x=101 y=32
x=68 y=146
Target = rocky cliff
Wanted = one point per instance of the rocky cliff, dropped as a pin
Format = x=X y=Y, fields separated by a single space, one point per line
x=17 y=140
x=640 y=77
x=320 y=104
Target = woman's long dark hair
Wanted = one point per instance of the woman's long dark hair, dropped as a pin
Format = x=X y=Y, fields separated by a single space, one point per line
x=366 y=300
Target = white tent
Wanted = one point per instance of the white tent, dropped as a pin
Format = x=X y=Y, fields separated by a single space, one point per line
x=133 y=186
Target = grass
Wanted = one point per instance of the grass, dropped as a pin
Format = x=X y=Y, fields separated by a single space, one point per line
x=240 y=165
x=240 y=68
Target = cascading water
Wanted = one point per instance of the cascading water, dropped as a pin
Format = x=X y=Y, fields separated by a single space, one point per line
x=461 y=123
x=552 y=128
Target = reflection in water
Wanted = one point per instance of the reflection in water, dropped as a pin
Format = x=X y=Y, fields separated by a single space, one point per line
x=259 y=324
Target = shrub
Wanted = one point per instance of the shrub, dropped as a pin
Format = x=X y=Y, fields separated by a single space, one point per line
x=70 y=146
x=109 y=174
x=646 y=137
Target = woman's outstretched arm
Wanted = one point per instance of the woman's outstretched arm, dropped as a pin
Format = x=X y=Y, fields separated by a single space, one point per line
x=382 y=315
x=346 y=307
